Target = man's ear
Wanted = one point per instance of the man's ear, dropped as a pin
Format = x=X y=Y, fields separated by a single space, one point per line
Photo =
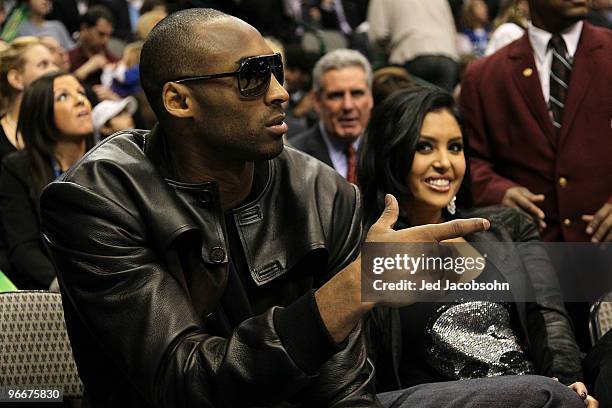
x=15 y=79
x=177 y=100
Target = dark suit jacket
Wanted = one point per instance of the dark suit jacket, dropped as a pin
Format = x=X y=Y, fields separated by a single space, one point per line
x=311 y=142
x=514 y=142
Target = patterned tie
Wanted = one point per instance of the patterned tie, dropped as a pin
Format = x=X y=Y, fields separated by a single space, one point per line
x=351 y=164
x=560 y=71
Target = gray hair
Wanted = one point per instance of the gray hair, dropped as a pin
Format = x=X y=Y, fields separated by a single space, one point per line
x=338 y=59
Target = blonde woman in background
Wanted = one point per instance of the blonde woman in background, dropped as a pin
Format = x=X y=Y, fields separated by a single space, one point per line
x=25 y=60
x=509 y=25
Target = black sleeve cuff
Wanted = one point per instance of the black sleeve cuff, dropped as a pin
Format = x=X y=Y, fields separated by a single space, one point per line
x=304 y=335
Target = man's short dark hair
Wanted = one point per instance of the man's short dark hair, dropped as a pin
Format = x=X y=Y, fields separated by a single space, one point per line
x=95 y=13
x=172 y=50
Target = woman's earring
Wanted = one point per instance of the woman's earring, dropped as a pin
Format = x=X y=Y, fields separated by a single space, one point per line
x=452 y=206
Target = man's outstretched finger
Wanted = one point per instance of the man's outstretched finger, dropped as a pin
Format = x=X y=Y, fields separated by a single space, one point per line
x=456 y=228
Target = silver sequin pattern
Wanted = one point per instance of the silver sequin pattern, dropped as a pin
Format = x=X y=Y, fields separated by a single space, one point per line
x=475 y=339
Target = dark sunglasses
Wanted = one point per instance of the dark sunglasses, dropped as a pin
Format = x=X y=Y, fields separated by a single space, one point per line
x=254 y=74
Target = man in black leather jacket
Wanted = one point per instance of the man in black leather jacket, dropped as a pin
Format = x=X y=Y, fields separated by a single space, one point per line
x=201 y=264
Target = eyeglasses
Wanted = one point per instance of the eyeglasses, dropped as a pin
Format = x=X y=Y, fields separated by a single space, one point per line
x=254 y=74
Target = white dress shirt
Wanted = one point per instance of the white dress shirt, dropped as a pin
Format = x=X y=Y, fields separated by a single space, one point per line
x=539 y=40
x=336 y=149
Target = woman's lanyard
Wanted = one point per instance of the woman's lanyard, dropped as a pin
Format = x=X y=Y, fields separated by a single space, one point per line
x=57 y=171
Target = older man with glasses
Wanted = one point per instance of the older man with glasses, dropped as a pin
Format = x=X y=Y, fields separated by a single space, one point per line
x=204 y=264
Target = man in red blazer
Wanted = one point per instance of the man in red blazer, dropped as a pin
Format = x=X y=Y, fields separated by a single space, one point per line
x=560 y=173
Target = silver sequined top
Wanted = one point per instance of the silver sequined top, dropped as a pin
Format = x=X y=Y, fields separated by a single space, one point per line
x=475 y=339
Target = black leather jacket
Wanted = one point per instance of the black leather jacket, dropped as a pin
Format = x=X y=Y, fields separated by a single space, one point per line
x=545 y=327
x=143 y=261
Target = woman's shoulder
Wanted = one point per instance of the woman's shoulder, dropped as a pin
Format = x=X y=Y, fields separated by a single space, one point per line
x=16 y=162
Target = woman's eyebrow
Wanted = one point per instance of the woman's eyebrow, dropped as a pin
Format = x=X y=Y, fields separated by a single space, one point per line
x=435 y=139
x=428 y=138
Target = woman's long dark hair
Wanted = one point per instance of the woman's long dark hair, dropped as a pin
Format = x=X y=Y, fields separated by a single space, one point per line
x=389 y=145
x=40 y=134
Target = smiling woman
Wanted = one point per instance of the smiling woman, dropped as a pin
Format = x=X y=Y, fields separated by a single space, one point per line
x=414 y=148
x=55 y=122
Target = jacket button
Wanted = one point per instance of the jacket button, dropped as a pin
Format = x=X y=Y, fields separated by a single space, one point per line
x=562 y=182
x=205 y=197
x=217 y=255
x=567 y=222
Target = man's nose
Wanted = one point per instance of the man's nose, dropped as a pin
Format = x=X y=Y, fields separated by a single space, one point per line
x=276 y=92
x=348 y=102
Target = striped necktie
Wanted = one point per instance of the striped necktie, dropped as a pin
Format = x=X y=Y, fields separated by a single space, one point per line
x=560 y=72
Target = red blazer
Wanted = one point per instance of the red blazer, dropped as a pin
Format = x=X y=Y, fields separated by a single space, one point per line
x=514 y=143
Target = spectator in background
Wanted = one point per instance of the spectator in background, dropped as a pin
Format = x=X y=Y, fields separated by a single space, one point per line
x=342 y=81
x=21 y=62
x=388 y=80
x=475 y=25
x=419 y=35
x=112 y=116
x=509 y=25
x=67 y=11
x=122 y=25
x=60 y=55
x=147 y=21
x=511 y=99
x=345 y=16
x=601 y=13
x=298 y=82
x=153 y=5
x=24 y=61
x=91 y=53
x=37 y=26
x=123 y=78
x=55 y=121
x=2 y=11
x=145 y=24
x=537 y=115
x=16 y=16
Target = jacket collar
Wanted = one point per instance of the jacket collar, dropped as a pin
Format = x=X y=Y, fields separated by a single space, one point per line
x=525 y=77
x=271 y=244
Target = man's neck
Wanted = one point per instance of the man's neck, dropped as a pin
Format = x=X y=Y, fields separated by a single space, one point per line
x=338 y=142
x=234 y=178
x=88 y=51
x=553 y=26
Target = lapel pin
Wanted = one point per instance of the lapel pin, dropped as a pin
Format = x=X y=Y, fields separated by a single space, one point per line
x=527 y=72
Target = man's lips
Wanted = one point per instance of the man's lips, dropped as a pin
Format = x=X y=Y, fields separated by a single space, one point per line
x=277 y=125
